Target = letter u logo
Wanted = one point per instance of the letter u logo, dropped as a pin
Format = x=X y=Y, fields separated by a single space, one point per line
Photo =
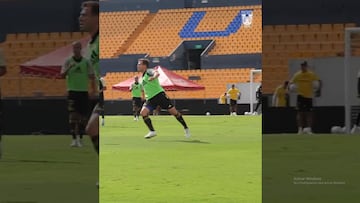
x=188 y=31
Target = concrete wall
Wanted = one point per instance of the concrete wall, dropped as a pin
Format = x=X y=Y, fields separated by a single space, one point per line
x=22 y=16
x=278 y=12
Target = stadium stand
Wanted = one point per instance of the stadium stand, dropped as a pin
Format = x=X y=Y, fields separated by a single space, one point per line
x=302 y=41
x=22 y=47
x=158 y=35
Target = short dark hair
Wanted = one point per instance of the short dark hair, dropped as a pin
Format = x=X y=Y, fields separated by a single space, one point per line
x=145 y=62
x=94 y=5
x=304 y=64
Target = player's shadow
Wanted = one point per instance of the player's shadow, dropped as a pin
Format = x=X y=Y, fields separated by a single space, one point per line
x=186 y=141
x=39 y=161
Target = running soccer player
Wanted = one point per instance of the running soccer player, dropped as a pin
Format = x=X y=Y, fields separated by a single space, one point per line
x=304 y=81
x=89 y=22
x=281 y=95
x=258 y=98
x=78 y=72
x=155 y=95
x=2 y=72
x=234 y=94
x=136 y=92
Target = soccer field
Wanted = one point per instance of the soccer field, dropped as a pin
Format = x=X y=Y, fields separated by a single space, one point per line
x=221 y=162
x=319 y=168
x=42 y=169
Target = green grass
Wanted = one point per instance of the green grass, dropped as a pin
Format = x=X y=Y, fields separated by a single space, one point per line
x=43 y=169
x=322 y=157
x=220 y=163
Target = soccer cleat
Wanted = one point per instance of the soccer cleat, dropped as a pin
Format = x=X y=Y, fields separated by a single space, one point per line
x=300 y=131
x=187 y=133
x=307 y=131
x=150 y=135
x=354 y=130
x=234 y=113
x=73 y=143
x=135 y=119
x=102 y=122
x=79 y=143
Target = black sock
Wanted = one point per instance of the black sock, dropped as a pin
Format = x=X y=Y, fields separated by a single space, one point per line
x=181 y=120
x=95 y=141
x=257 y=106
x=73 y=130
x=82 y=126
x=148 y=123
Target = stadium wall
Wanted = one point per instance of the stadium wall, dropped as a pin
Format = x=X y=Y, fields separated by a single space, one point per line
x=186 y=106
x=127 y=63
x=132 y=5
x=38 y=16
x=29 y=117
x=283 y=120
x=35 y=116
x=279 y=12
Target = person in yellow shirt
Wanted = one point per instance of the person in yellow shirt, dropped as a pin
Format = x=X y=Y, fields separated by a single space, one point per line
x=234 y=95
x=222 y=99
x=305 y=82
x=281 y=95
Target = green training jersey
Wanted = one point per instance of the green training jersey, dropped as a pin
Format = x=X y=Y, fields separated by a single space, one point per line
x=78 y=71
x=151 y=88
x=93 y=55
x=136 y=90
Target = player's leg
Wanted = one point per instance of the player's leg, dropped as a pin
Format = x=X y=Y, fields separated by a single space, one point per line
x=231 y=108
x=300 y=114
x=83 y=109
x=309 y=115
x=92 y=128
x=138 y=105
x=165 y=103
x=145 y=111
x=134 y=108
x=73 y=116
x=355 y=128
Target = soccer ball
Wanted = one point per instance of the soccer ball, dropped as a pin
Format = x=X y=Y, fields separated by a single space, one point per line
x=336 y=130
x=316 y=85
x=293 y=87
x=208 y=113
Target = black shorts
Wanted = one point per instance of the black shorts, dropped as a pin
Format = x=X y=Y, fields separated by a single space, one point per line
x=304 y=104
x=136 y=101
x=161 y=100
x=78 y=102
x=233 y=102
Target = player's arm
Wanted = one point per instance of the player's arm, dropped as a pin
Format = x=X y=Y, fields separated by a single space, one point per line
x=274 y=97
x=91 y=73
x=64 y=69
x=103 y=83
x=153 y=74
